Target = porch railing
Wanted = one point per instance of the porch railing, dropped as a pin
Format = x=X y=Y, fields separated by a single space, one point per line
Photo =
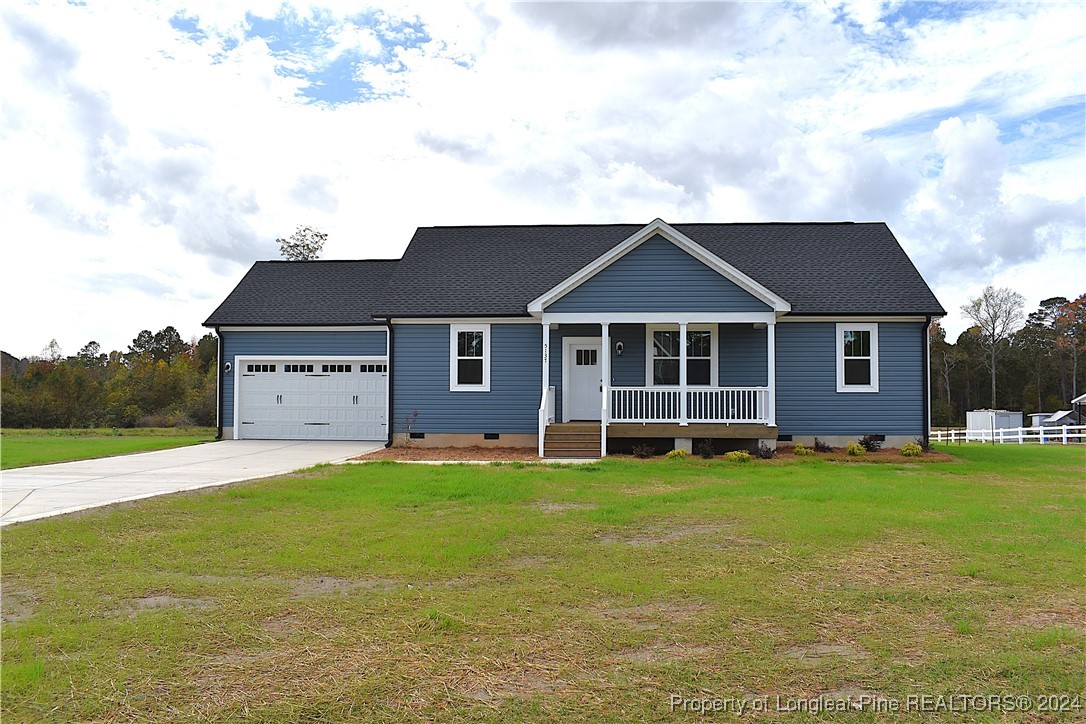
x=703 y=404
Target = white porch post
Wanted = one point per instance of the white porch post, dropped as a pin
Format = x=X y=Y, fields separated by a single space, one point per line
x=771 y=370
x=605 y=384
x=682 y=374
x=546 y=384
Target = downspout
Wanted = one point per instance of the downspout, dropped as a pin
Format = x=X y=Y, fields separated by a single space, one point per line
x=390 y=335
x=218 y=386
x=925 y=349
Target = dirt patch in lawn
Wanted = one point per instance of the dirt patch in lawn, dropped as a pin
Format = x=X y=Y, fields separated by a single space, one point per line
x=489 y=454
x=814 y=653
x=325 y=585
x=523 y=562
x=664 y=533
x=133 y=606
x=16 y=605
x=548 y=507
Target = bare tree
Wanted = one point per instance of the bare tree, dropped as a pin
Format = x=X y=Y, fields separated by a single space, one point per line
x=996 y=312
x=305 y=244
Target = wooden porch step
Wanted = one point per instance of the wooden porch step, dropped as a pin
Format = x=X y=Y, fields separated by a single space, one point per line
x=572 y=440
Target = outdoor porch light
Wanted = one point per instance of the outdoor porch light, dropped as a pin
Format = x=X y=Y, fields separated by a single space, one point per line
x=618 y=348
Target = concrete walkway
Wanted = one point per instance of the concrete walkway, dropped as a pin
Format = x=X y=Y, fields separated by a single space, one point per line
x=45 y=490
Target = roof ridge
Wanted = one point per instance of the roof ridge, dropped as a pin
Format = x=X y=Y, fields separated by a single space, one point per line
x=319 y=261
x=637 y=225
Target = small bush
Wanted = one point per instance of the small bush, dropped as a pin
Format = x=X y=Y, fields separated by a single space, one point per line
x=737 y=456
x=822 y=447
x=765 y=452
x=801 y=451
x=676 y=454
x=642 y=450
x=705 y=449
x=855 y=449
x=870 y=443
x=911 y=450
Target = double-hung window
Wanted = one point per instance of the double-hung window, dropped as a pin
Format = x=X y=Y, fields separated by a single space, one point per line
x=665 y=355
x=857 y=357
x=469 y=358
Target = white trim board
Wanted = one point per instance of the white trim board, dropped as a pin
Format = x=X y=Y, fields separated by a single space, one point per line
x=465 y=320
x=839 y=353
x=852 y=319
x=454 y=385
x=658 y=317
x=662 y=228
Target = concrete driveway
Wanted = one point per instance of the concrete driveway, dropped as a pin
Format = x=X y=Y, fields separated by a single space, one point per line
x=45 y=490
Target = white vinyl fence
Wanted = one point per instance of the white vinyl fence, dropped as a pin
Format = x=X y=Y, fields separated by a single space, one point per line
x=1062 y=435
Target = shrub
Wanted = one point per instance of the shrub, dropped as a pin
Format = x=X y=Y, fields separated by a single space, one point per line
x=705 y=449
x=870 y=443
x=912 y=450
x=801 y=451
x=855 y=449
x=822 y=447
x=765 y=452
x=643 y=450
x=676 y=454
x=737 y=456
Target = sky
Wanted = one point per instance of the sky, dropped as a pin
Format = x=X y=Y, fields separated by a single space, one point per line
x=152 y=151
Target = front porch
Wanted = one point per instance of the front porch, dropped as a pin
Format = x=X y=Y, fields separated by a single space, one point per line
x=642 y=376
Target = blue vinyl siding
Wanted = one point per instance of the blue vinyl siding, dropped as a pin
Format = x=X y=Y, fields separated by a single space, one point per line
x=421 y=381
x=289 y=343
x=742 y=356
x=658 y=276
x=807 y=399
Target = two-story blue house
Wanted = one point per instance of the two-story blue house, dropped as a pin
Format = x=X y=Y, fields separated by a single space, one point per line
x=574 y=339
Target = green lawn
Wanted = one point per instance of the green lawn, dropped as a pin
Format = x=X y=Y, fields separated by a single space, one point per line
x=19 y=448
x=388 y=591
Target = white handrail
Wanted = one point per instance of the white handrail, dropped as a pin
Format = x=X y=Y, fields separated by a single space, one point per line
x=546 y=415
x=1055 y=434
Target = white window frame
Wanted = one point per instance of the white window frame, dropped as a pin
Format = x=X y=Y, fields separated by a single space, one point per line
x=714 y=340
x=454 y=330
x=871 y=327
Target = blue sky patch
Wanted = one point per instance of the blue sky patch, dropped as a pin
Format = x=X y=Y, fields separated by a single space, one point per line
x=304 y=47
x=188 y=26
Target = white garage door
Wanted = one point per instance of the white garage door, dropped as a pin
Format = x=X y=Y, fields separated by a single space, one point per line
x=307 y=399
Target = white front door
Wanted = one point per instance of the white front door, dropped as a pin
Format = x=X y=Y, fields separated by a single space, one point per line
x=585 y=380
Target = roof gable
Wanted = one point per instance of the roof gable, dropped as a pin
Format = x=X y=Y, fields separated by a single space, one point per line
x=654 y=234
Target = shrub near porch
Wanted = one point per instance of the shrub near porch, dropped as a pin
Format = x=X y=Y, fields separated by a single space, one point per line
x=590 y=592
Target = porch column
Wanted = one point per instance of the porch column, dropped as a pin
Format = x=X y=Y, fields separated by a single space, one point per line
x=605 y=384
x=682 y=374
x=771 y=370
x=546 y=384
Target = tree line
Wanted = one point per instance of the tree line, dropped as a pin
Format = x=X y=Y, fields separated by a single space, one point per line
x=161 y=381
x=1007 y=359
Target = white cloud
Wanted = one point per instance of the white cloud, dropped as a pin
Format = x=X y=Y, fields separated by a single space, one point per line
x=146 y=167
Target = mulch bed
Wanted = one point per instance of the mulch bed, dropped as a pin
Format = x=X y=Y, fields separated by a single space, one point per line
x=494 y=454
x=530 y=455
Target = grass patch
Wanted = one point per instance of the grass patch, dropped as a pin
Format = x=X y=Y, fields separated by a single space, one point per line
x=508 y=592
x=20 y=448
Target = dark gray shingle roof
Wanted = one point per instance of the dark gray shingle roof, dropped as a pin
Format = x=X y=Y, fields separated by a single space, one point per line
x=317 y=293
x=820 y=268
